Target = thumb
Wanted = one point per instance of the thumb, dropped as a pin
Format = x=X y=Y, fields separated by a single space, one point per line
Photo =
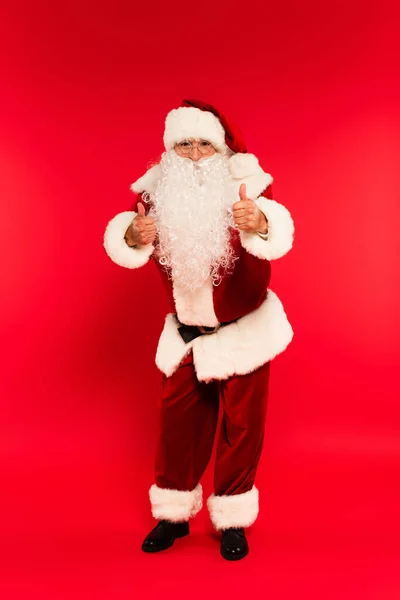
x=242 y=191
x=140 y=209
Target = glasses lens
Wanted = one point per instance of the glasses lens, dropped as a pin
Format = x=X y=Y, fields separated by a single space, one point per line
x=184 y=147
x=205 y=147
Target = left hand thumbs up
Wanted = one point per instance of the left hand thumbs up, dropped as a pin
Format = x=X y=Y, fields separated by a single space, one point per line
x=242 y=192
x=247 y=215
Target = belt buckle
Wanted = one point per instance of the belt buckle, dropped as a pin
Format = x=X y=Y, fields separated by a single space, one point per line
x=205 y=332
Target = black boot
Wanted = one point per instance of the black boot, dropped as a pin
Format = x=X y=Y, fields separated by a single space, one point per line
x=163 y=536
x=234 y=544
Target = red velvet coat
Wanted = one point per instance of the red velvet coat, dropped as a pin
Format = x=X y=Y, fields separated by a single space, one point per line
x=260 y=329
x=250 y=275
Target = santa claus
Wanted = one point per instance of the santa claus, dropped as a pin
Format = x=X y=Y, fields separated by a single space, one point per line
x=205 y=214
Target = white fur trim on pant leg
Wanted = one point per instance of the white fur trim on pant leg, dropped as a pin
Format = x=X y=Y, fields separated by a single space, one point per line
x=116 y=247
x=237 y=510
x=175 y=505
x=280 y=232
x=197 y=500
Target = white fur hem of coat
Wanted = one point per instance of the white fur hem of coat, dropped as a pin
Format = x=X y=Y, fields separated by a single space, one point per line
x=175 y=505
x=235 y=349
x=116 y=247
x=238 y=510
x=280 y=232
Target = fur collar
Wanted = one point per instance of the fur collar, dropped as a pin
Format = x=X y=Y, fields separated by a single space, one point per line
x=244 y=168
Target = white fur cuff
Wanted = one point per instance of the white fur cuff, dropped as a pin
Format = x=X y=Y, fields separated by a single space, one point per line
x=239 y=510
x=174 y=505
x=116 y=247
x=280 y=232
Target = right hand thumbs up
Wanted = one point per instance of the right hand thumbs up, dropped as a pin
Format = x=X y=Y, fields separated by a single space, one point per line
x=142 y=230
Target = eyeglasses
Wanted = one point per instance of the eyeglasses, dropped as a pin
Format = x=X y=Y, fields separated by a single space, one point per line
x=186 y=147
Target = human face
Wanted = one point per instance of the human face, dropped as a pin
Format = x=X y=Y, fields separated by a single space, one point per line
x=195 y=149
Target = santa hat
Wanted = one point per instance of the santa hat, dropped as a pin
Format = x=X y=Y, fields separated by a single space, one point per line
x=197 y=120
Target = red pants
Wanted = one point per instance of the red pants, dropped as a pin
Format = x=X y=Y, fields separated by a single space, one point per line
x=189 y=415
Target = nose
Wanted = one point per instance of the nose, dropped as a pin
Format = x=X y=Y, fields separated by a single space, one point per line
x=195 y=154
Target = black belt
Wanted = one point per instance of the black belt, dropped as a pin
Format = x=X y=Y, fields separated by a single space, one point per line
x=191 y=332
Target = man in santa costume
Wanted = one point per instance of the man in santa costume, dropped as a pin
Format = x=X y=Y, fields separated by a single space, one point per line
x=205 y=214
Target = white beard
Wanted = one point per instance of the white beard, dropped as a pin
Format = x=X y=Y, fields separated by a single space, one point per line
x=192 y=209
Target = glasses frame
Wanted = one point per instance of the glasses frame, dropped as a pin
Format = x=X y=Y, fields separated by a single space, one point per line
x=189 y=150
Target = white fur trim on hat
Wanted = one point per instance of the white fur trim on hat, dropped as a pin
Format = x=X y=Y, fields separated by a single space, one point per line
x=237 y=510
x=188 y=122
x=116 y=247
x=175 y=505
x=280 y=232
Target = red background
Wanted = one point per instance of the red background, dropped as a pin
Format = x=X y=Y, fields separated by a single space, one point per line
x=85 y=89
